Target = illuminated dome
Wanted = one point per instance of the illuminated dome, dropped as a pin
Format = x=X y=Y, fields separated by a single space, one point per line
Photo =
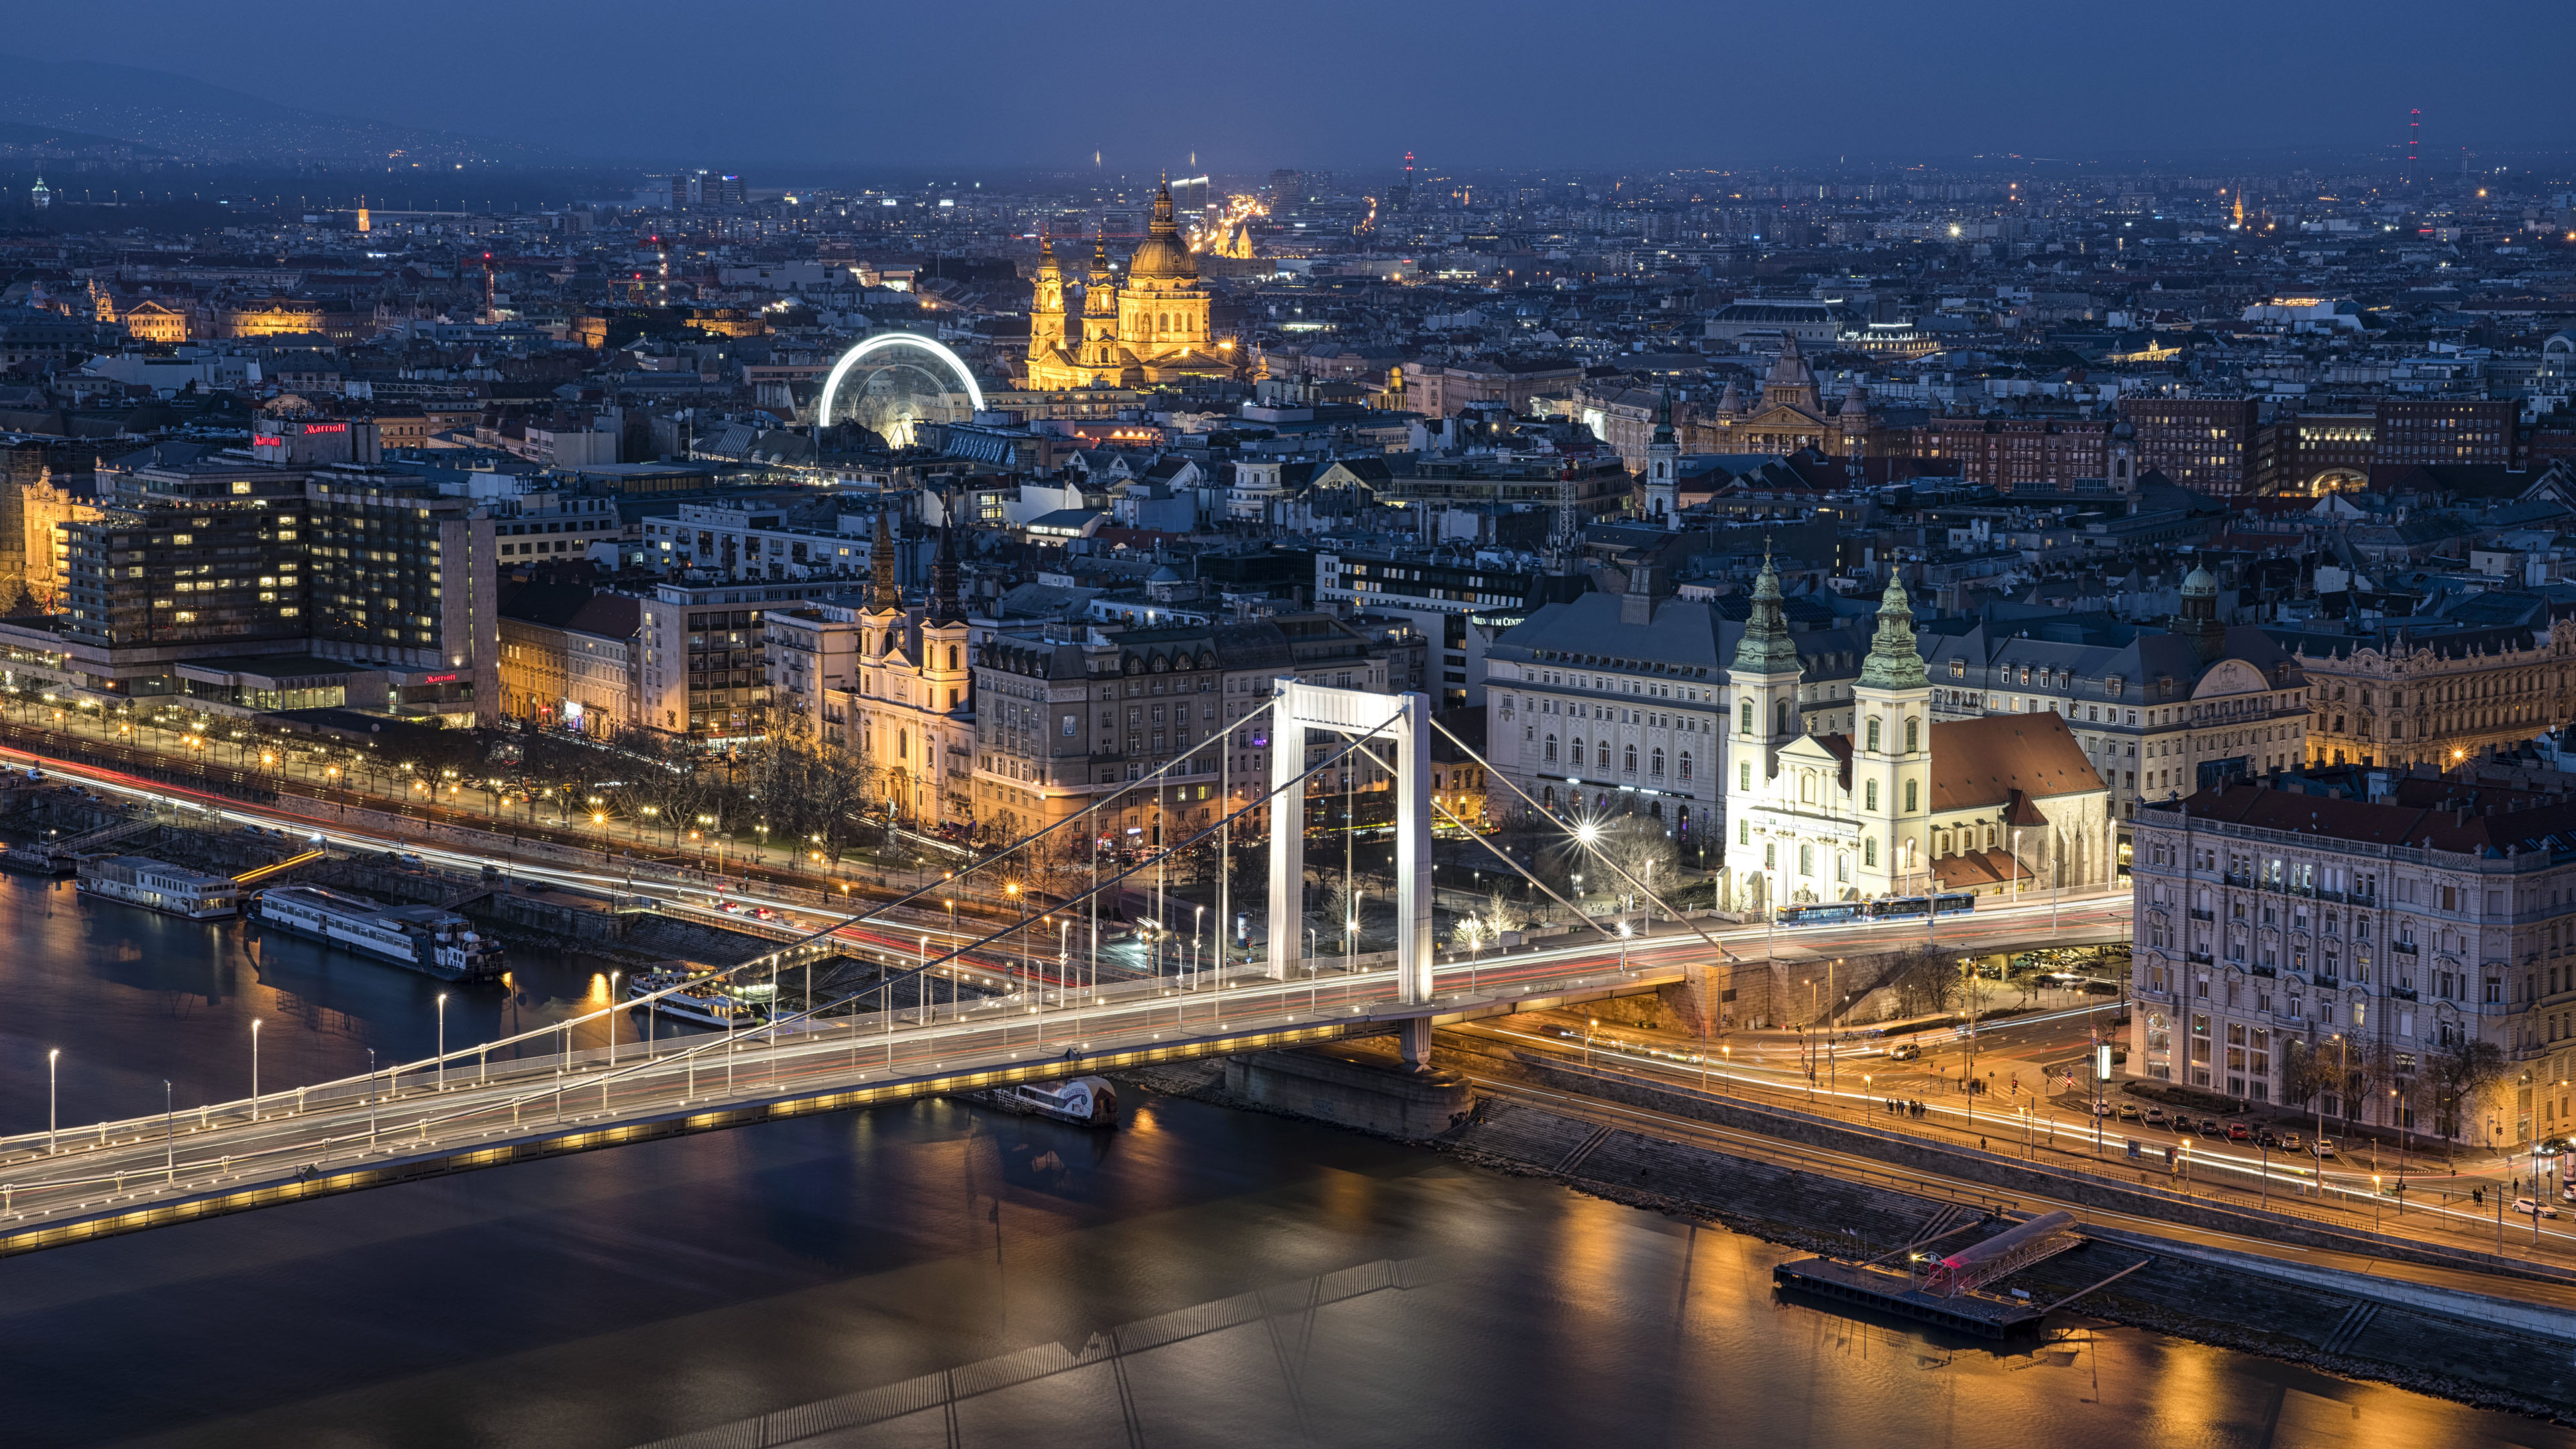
x=1162 y=255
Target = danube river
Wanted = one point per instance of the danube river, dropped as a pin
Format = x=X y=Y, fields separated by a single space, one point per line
x=1203 y=1277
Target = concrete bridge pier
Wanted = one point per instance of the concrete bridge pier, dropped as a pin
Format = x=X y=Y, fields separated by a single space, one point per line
x=1414 y=1041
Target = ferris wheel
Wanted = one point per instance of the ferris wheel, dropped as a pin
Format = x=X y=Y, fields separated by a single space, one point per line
x=893 y=383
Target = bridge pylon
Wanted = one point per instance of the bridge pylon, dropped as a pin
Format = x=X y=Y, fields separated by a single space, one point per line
x=1405 y=719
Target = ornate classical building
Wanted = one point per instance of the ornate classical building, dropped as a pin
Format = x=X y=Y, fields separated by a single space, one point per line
x=913 y=715
x=2438 y=700
x=1154 y=329
x=1791 y=414
x=1902 y=803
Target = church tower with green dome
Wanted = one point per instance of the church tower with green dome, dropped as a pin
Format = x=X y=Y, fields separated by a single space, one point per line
x=1762 y=717
x=1891 y=760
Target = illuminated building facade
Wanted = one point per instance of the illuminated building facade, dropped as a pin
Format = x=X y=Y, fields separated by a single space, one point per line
x=1152 y=329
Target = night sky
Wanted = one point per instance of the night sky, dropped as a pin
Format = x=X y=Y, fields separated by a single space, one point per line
x=1607 y=83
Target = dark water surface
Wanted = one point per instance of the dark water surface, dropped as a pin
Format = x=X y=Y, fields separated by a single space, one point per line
x=613 y=1298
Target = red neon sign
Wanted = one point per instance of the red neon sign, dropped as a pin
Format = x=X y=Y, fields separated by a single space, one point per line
x=312 y=428
x=438 y=679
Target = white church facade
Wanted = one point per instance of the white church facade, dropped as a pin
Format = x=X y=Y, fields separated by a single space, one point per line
x=1902 y=804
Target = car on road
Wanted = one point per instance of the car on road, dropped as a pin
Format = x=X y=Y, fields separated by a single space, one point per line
x=2323 y=1147
x=1904 y=1051
x=2155 y=1117
x=2239 y=1132
x=2533 y=1209
x=2128 y=1112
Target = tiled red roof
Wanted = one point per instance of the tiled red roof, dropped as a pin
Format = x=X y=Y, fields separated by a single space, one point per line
x=1977 y=764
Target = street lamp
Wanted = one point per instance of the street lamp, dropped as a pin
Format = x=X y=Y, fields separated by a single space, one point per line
x=442 y=1041
x=53 y=1118
x=254 y=1069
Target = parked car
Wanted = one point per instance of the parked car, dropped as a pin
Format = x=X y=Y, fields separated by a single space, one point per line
x=2533 y=1209
x=2239 y=1132
x=2155 y=1117
x=2128 y=1112
x=2267 y=1139
x=2323 y=1147
x=2292 y=1142
x=2103 y=1109
x=2209 y=1128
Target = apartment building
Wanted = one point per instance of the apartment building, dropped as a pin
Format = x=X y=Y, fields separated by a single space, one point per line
x=1070 y=714
x=2439 y=699
x=2381 y=921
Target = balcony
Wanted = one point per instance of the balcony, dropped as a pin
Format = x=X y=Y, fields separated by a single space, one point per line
x=2241 y=881
x=2406 y=946
x=2204 y=915
x=2198 y=958
x=2329 y=981
x=2402 y=993
x=2264 y=970
x=2326 y=895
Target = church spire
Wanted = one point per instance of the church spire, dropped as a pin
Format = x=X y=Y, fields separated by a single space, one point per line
x=885 y=591
x=945 y=605
x=1895 y=660
x=1766 y=647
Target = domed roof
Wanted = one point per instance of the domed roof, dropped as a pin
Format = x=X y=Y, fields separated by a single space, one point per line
x=1162 y=255
x=2200 y=581
x=1791 y=369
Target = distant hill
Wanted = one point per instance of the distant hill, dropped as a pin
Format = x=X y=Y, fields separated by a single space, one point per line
x=18 y=139
x=103 y=104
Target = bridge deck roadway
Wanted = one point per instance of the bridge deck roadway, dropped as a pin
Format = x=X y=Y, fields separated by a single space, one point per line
x=406 y=1124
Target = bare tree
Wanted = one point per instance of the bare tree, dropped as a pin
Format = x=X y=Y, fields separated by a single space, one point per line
x=1640 y=855
x=1925 y=982
x=2459 y=1074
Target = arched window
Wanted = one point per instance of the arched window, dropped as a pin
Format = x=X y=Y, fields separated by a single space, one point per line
x=952 y=656
x=1744 y=775
x=1685 y=764
x=1842 y=865
x=1601 y=754
x=1655 y=764
x=1806 y=787
x=1806 y=860
x=1628 y=759
x=1577 y=753
x=1748 y=719
x=1869 y=852
x=1869 y=795
x=903 y=744
x=889 y=641
x=1873 y=734
x=1913 y=735
x=1910 y=806
x=1551 y=749
x=1782 y=727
